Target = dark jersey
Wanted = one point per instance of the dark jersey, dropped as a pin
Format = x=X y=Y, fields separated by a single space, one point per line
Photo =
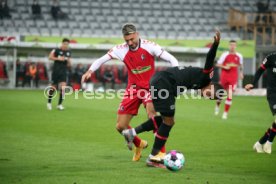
x=187 y=77
x=61 y=66
x=268 y=64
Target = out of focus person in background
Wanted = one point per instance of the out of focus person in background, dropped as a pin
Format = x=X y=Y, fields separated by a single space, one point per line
x=263 y=8
x=62 y=60
x=36 y=10
x=4 y=10
x=79 y=71
x=56 y=11
x=231 y=65
x=31 y=75
x=108 y=77
x=20 y=72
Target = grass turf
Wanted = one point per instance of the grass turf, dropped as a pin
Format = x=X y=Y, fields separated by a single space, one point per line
x=80 y=145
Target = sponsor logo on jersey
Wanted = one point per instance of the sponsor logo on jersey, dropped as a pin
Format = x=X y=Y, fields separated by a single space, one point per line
x=141 y=69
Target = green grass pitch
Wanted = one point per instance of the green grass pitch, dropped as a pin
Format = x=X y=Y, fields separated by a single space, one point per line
x=80 y=145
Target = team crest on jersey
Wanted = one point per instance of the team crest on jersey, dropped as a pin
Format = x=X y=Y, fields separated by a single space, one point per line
x=121 y=108
x=143 y=57
x=60 y=52
x=68 y=54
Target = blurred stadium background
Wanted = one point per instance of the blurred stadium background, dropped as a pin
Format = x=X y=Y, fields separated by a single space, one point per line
x=183 y=27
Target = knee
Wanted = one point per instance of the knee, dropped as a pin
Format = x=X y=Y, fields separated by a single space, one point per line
x=151 y=113
x=169 y=121
x=119 y=127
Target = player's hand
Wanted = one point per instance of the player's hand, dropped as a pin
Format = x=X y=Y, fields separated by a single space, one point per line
x=226 y=67
x=248 y=87
x=61 y=58
x=217 y=36
x=86 y=76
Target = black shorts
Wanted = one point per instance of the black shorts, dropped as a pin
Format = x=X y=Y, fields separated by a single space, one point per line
x=163 y=97
x=271 y=98
x=58 y=77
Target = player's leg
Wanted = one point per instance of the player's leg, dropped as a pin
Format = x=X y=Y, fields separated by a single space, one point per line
x=50 y=92
x=228 y=101
x=218 y=102
x=129 y=106
x=271 y=97
x=151 y=113
x=62 y=86
x=161 y=137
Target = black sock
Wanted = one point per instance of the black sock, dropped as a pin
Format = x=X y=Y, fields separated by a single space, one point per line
x=50 y=95
x=264 y=138
x=60 y=97
x=149 y=125
x=160 y=138
x=272 y=132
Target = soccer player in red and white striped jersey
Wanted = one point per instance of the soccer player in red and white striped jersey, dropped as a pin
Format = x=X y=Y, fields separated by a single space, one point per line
x=231 y=64
x=138 y=55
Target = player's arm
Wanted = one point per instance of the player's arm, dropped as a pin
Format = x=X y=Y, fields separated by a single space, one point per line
x=95 y=66
x=241 y=71
x=168 y=57
x=52 y=56
x=211 y=55
x=69 y=62
x=163 y=54
x=258 y=74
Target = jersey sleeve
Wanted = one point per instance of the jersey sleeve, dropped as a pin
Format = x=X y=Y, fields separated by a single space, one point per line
x=222 y=58
x=267 y=62
x=114 y=53
x=157 y=49
x=164 y=55
x=241 y=58
x=96 y=65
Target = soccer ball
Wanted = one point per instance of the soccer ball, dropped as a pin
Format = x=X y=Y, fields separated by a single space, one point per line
x=174 y=160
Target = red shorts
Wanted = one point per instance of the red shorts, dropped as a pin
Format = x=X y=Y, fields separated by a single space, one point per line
x=228 y=85
x=132 y=100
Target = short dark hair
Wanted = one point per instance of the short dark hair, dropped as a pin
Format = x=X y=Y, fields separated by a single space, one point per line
x=232 y=41
x=65 y=40
x=128 y=29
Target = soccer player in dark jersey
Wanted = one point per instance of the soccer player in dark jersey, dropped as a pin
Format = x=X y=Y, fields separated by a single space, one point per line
x=62 y=59
x=169 y=81
x=269 y=64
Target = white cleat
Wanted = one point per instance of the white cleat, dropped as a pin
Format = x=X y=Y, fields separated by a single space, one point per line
x=49 y=106
x=60 y=107
x=225 y=115
x=268 y=147
x=216 y=110
x=258 y=147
